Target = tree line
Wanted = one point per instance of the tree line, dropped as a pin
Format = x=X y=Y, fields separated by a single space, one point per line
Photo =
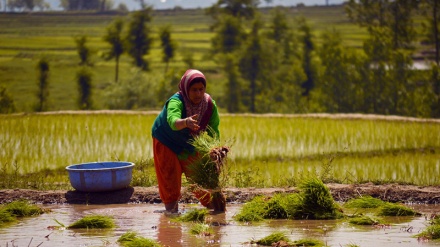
x=274 y=66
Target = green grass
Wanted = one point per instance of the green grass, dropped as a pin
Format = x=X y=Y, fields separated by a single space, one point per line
x=93 y=222
x=267 y=151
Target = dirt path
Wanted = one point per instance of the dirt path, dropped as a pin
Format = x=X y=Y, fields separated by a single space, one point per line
x=340 y=192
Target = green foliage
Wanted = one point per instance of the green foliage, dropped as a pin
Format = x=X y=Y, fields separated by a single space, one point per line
x=431 y=232
x=84 y=78
x=252 y=211
x=193 y=215
x=308 y=242
x=93 y=221
x=273 y=238
x=393 y=209
x=138 y=39
x=7 y=104
x=168 y=45
x=114 y=37
x=316 y=200
x=84 y=52
x=6 y=217
x=364 y=202
x=22 y=208
x=132 y=239
x=363 y=220
x=137 y=92
x=43 y=84
x=201 y=229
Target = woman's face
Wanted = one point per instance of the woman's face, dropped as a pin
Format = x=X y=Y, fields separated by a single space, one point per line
x=196 y=92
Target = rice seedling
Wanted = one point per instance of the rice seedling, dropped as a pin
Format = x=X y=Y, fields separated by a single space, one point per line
x=272 y=239
x=252 y=211
x=193 y=215
x=316 y=200
x=364 y=220
x=308 y=242
x=393 y=209
x=132 y=239
x=93 y=222
x=206 y=172
x=22 y=208
x=364 y=202
x=201 y=229
x=431 y=232
x=6 y=217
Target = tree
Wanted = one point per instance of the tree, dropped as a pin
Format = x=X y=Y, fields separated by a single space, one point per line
x=138 y=37
x=114 y=37
x=251 y=62
x=84 y=52
x=307 y=56
x=43 y=84
x=84 y=80
x=7 y=104
x=234 y=84
x=431 y=9
x=396 y=15
x=168 y=45
x=237 y=8
x=229 y=35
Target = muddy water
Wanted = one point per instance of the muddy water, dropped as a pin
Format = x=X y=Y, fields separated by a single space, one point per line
x=144 y=220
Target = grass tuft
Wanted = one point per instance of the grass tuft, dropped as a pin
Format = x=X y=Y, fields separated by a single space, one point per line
x=201 y=229
x=392 y=209
x=273 y=238
x=364 y=202
x=194 y=215
x=132 y=239
x=364 y=221
x=94 y=221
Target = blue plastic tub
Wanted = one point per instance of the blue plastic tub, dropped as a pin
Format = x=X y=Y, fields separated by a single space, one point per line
x=100 y=176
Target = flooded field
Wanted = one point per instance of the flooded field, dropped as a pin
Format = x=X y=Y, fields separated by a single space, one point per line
x=143 y=219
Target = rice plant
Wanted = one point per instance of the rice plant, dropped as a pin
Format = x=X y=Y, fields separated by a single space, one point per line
x=364 y=202
x=207 y=171
x=93 y=222
x=201 y=229
x=132 y=239
x=193 y=215
x=272 y=239
x=393 y=209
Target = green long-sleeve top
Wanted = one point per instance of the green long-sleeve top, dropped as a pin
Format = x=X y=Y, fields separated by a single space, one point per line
x=165 y=131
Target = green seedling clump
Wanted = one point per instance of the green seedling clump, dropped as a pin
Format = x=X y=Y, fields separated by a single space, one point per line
x=22 y=208
x=132 y=239
x=201 y=229
x=206 y=172
x=273 y=238
x=363 y=220
x=364 y=202
x=94 y=221
x=308 y=242
x=194 y=215
x=392 y=209
x=252 y=211
x=316 y=201
x=6 y=217
x=431 y=232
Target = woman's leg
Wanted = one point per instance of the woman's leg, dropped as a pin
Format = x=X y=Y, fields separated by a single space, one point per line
x=169 y=175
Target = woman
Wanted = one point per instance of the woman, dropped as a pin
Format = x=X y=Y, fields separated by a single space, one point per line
x=185 y=115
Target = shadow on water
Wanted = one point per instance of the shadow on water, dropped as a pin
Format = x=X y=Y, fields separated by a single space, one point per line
x=142 y=218
x=111 y=197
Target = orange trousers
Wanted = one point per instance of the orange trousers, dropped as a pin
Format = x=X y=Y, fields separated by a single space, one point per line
x=169 y=171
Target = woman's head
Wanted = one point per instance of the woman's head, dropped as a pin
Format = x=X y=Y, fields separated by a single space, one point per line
x=193 y=85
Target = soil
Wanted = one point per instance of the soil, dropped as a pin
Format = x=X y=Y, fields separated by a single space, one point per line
x=340 y=192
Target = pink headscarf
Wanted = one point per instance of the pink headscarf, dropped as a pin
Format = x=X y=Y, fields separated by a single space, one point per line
x=200 y=109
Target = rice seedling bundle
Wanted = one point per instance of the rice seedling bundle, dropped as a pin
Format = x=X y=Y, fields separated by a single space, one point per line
x=206 y=171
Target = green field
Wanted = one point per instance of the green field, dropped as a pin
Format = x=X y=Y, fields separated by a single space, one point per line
x=266 y=150
x=25 y=38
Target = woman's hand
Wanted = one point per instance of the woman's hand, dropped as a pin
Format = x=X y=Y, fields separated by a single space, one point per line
x=191 y=122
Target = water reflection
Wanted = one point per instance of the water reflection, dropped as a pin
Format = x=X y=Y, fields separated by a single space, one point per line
x=227 y=232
